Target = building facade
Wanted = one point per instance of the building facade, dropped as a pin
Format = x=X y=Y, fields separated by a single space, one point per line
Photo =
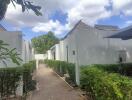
x=86 y=45
x=15 y=40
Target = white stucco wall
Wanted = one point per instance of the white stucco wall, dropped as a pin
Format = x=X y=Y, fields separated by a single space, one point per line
x=62 y=50
x=57 y=52
x=49 y=55
x=40 y=56
x=92 y=48
x=14 y=39
x=27 y=51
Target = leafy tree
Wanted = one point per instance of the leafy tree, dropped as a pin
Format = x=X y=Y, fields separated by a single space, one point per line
x=6 y=54
x=44 y=42
x=25 y=4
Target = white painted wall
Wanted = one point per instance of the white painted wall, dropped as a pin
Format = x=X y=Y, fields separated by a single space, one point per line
x=91 y=47
x=57 y=51
x=40 y=57
x=27 y=51
x=14 y=39
x=24 y=48
x=49 y=55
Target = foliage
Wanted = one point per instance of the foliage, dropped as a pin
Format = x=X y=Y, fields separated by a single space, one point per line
x=62 y=67
x=10 y=78
x=44 y=42
x=105 y=86
x=6 y=54
x=26 y=5
x=124 y=69
x=71 y=71
x=28 y=83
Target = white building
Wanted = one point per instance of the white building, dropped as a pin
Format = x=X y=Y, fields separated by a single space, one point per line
x=15 y=40
x=27 y=51
x=54 y=52
x=85 y=45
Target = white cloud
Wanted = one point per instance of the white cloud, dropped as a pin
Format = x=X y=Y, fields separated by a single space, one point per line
x=17 y=18
x=122 y=6
x=51 y=25
x=90 y=11
x=129 y=22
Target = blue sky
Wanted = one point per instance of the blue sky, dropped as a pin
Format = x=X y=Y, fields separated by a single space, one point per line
x=61 y=16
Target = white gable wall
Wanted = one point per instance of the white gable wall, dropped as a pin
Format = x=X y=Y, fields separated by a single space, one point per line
x=92 y=48
x=57 y=52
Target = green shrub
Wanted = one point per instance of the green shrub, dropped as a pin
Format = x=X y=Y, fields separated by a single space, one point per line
x=105 y=86
x=28 y=83
x=9 y=78
x=71 y=71
x=62 y=67
x=124 y=69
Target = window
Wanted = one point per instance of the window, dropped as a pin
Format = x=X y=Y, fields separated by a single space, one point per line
x=122 y=56
x=73 y=52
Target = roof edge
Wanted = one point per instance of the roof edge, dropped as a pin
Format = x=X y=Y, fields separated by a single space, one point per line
x=71 y=30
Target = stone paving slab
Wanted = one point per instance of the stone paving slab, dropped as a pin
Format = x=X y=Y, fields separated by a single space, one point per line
x=51 y=87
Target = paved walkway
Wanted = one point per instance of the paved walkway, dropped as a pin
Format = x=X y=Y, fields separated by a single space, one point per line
x=51 y=87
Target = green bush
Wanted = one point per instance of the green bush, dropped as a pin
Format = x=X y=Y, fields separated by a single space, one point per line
x=105 y=86
x=28 y=83
x=10 y=77
x=71 y=71
x=62 y=67
x=124 y=69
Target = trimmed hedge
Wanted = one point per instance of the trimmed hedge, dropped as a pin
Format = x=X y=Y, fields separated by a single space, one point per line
x=10 y=77
x=105 y=86
x=62 y=67
x=28 y=83
x=124 y=69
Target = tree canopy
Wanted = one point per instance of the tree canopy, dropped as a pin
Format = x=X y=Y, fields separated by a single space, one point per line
x=44 y=42
x=25 y=4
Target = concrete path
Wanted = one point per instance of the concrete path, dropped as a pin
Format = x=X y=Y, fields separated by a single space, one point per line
x=51 y=87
